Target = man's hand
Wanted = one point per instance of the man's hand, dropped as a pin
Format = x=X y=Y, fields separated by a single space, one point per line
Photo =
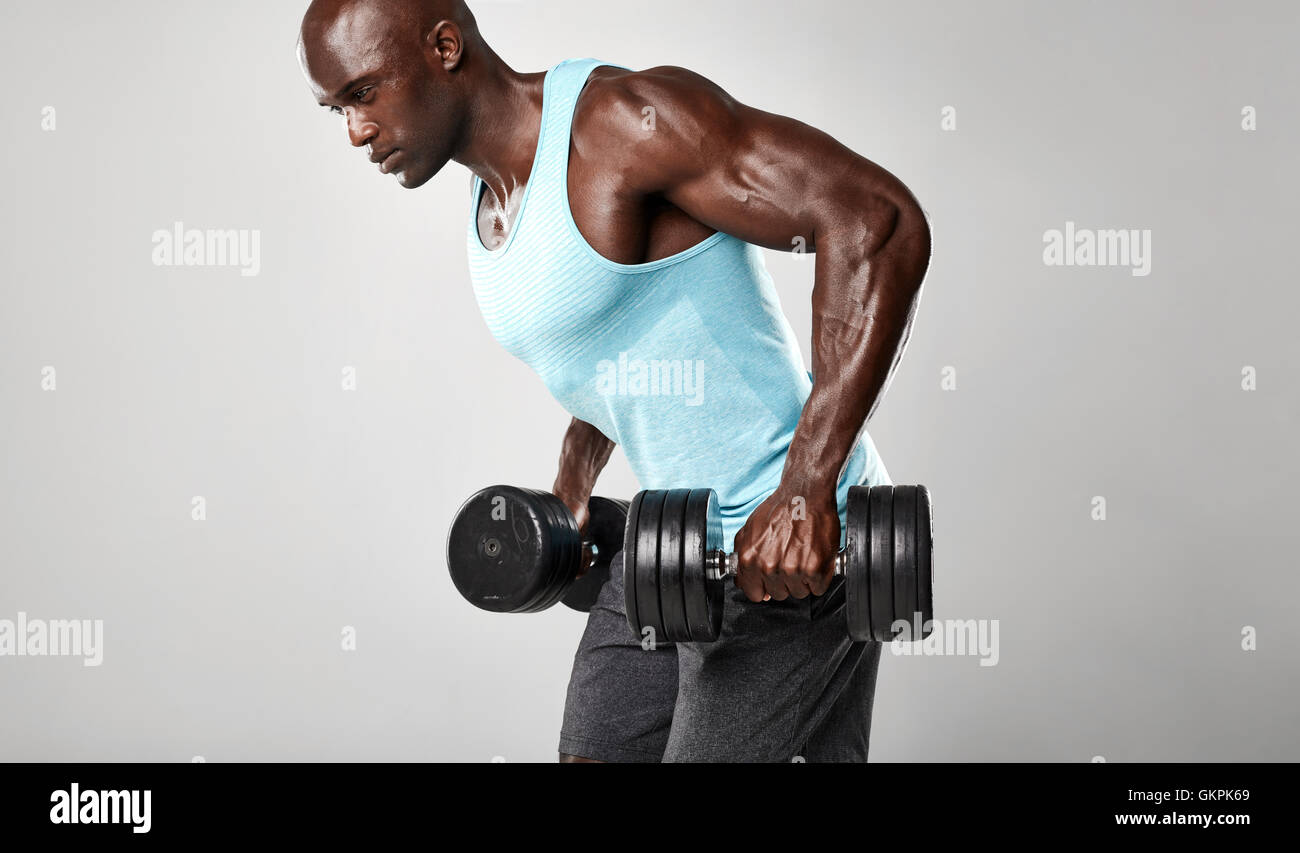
x=577 y=504
x=788 y=546
x=584 y=455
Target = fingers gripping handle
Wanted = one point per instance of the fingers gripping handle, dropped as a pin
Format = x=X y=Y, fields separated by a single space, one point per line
x=723 y=565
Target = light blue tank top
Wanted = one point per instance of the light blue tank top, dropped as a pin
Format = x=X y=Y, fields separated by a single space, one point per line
x=688 y=362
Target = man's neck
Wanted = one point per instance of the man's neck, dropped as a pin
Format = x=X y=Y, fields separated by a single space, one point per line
x=505 y=117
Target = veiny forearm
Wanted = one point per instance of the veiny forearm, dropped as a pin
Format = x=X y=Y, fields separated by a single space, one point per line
x=867 y=288
x=583 y=455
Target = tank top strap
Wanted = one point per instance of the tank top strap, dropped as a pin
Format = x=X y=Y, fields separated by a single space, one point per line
x=564 y=84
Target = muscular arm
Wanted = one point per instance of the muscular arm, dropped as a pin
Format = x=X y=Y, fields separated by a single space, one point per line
x=771 y=180
x=583 y=455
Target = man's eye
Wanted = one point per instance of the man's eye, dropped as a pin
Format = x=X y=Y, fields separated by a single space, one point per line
x=359 y=96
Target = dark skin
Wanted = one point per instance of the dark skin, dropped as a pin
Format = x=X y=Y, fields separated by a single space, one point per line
x=419 y=88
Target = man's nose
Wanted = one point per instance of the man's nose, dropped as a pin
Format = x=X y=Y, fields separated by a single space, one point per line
x=360 y=130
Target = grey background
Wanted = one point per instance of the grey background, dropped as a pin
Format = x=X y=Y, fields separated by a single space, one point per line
x=1119 y=639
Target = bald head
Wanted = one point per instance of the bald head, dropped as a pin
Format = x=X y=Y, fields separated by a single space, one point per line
x=389 y=67
x=405 y=20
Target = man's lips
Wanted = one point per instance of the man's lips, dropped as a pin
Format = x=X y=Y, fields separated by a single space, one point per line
x=384 y=160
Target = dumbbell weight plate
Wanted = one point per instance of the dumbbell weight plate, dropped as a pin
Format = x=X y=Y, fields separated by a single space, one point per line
x=672 y=534
x=881 y=501
x=925 y=557
x=703 y=599
x=645 y=568
x=605 y=529
x=631 y=536
x=857 y=564
x=906 y=604
x=565 y=550
x=499 y=549
x=568 y=568
x=554 y=552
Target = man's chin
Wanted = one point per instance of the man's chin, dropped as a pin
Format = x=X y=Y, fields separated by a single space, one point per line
x=411 y=179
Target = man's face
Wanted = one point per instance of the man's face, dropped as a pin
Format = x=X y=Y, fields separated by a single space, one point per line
x=394 y=94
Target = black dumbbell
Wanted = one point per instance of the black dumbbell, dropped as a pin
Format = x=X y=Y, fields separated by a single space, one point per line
x=674 y=567
x=513 y=550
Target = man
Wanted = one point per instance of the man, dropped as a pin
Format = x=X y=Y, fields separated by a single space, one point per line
x=614 y=228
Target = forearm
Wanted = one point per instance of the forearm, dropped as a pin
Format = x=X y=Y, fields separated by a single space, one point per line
x=583 y=455
x=865 y=294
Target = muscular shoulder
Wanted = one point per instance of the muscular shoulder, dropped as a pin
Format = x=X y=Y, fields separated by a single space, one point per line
x=654 y=126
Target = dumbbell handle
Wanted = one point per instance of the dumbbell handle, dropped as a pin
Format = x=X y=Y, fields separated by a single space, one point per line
x=722 y=565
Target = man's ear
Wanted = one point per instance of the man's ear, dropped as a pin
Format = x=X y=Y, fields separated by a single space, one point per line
x=444 y=45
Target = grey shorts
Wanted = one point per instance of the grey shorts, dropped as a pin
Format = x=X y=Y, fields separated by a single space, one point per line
x=782 y=683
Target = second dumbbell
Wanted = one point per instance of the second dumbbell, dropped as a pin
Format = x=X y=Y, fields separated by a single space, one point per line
x=516 y=550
